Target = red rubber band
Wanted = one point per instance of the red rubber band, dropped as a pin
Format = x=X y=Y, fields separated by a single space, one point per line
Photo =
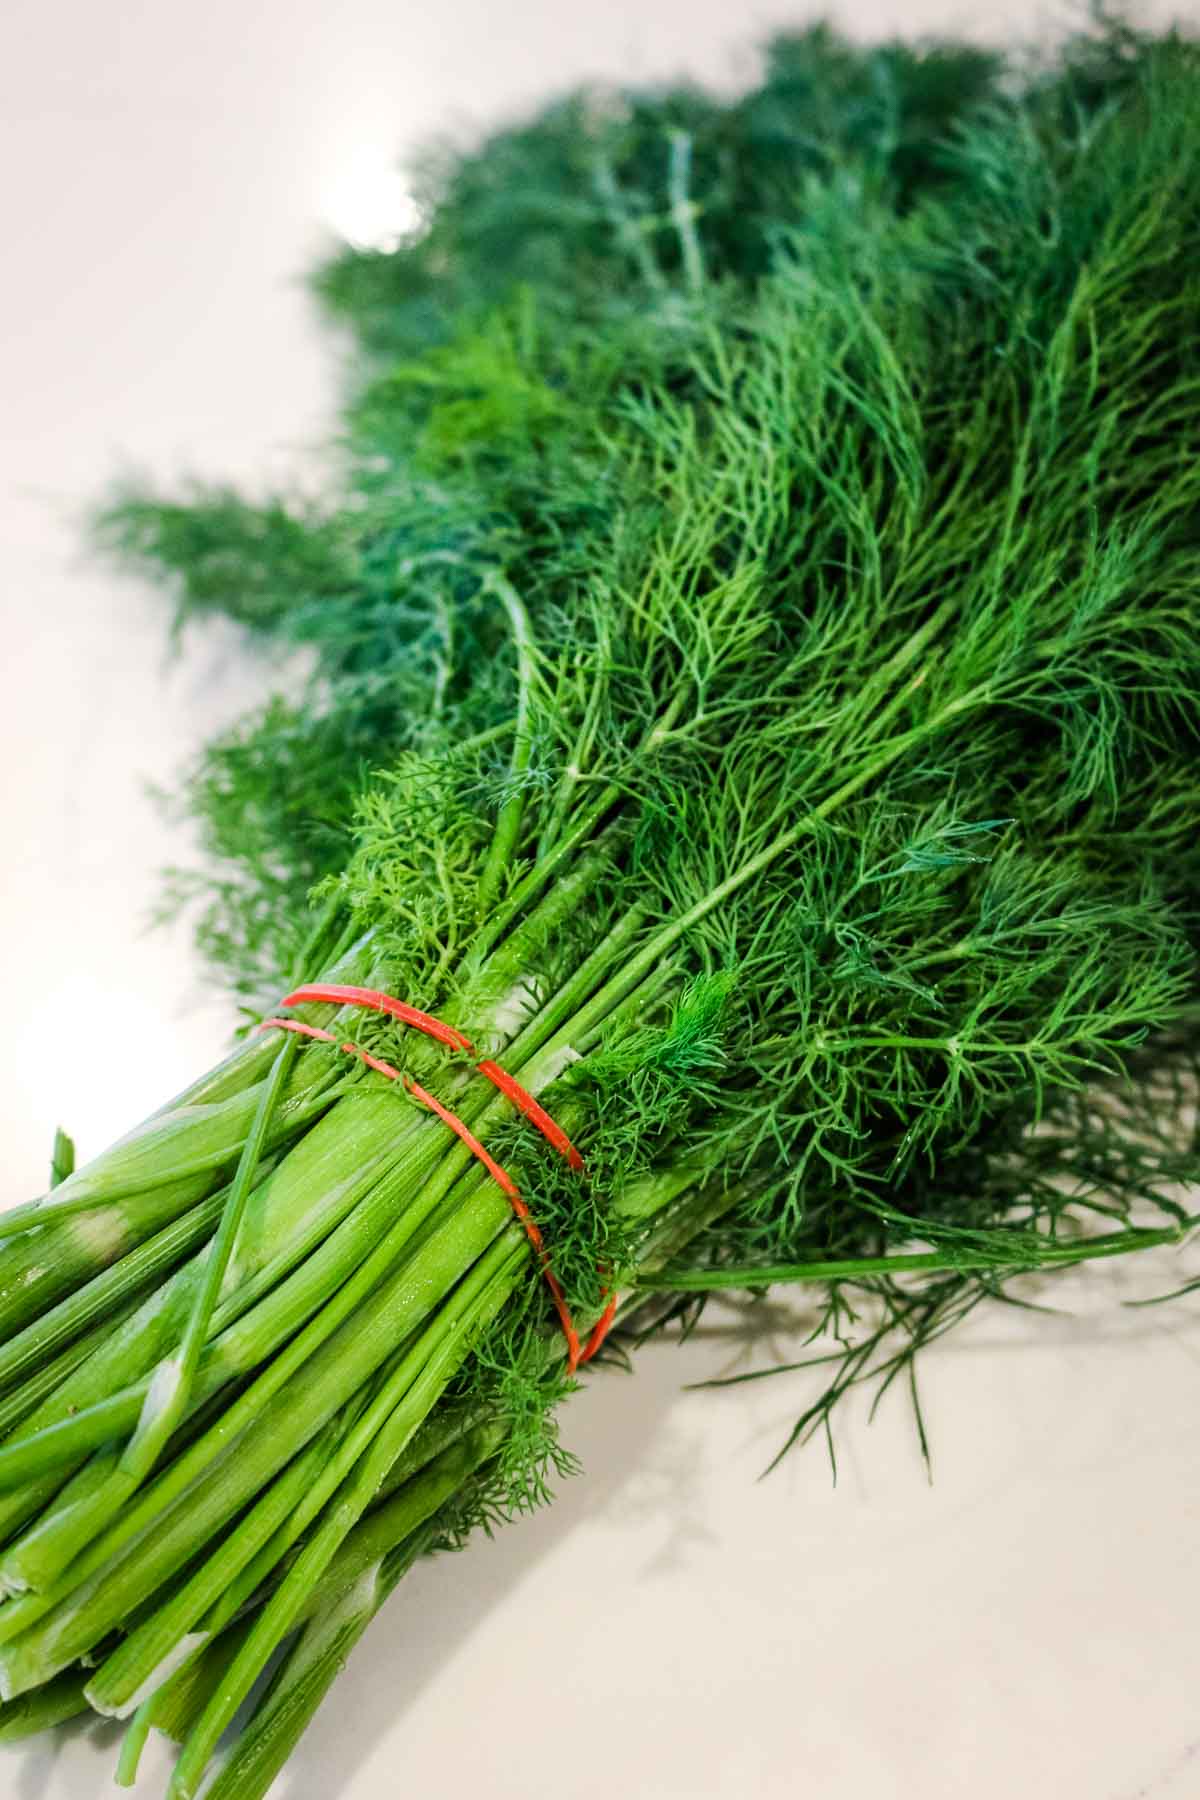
x=600 y=1330
x=574 y=1355
x=332 y=993
x=508 y=1085
x=537 y=1115
x=327 y=1037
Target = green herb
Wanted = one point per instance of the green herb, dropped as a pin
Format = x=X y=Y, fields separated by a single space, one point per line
x=757 y=701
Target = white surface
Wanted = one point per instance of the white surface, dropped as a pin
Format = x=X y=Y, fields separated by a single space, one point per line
x=670 y=1628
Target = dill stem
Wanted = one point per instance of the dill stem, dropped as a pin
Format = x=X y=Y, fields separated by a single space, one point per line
x=122 y=1676
x=173 y=1148
x=508 y=825
x=387 y=1528
x=244 y=1560
x=341 y=1281
x=133 y=1743
x=198 y=1493
x=559 y=1009
x=409 y=1396
x=62 y=1158
x=581 y=750
x=42 y=1265
x=171 y=1386
x=97 y=1298
x=1029 y=1254
x=312 y=1666
x=630 y=231
x=881 y=679
x=531 y=884
x=549 y=861
x=178 y=1702
x=683 y=210
x=51 y=1704
x=17 y=1405
x=306 y=1205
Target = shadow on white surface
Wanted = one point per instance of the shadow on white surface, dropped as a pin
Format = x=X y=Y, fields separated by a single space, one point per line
x=638 y=1470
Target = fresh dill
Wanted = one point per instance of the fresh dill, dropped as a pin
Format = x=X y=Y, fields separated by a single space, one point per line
x=755 y=625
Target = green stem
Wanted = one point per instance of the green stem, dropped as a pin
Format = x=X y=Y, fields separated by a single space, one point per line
x=175 y=1147
x=51 y=1704
x=531 y=884
x=1023 y=1257
x=199 y=1492
x=508 y=825
x=136 y=1665
x=171 y=1385
x=346 y=1224
x=38 y=1386
x=62 y=1160
x=683 y=209
x=99 y=1298
x=656 y=947
x=581 y=751
x=133 y=1743
x=883 y=677
x=313 y=1664
x=630 y=231
x=414 y=1498
x=413 y=1392
x=42 y=1265
x=174 y=1707
x=48 y=1553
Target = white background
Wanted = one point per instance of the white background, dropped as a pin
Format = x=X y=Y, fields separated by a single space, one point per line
x=670 y=1628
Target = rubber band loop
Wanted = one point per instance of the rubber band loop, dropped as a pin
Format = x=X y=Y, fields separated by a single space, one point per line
x=537 y=1115
x=332 y=993
x=327 y=1037
x=375 y=1001
x=508 y=1085
x=529 y=1224
x=600 y=1330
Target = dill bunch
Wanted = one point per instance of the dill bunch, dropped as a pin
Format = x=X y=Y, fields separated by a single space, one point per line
x=757 y=699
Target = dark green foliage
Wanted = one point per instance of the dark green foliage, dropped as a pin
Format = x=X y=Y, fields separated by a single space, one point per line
x=576 y=205
x=755 y=636
x=840 y=443
x=264 y=566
